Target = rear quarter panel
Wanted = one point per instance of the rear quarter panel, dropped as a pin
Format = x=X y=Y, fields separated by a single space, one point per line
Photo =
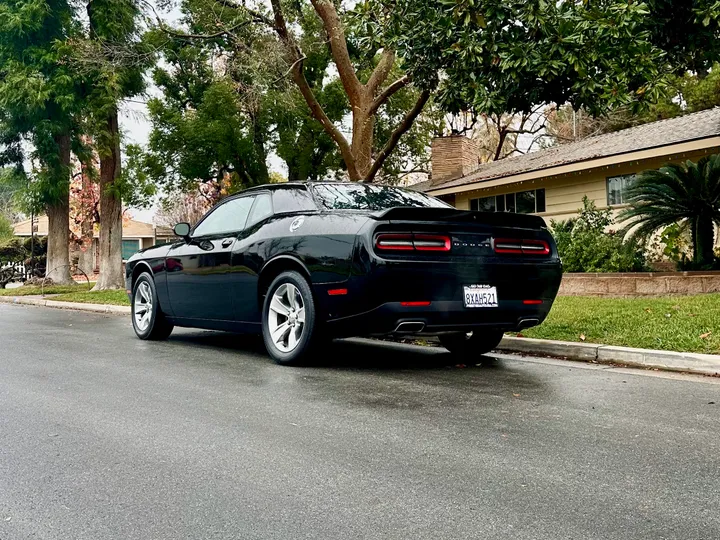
x=323 y=243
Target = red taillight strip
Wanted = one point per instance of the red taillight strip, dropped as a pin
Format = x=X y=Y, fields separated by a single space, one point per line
x=503 y=245
x=412 y=242
x=521 y=247
x=414 y=304
x=429 y=242
x=536 y=247
x=394 y=242
x=532 y=302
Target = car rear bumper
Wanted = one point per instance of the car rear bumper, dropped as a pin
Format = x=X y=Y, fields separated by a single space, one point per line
x=441 y=317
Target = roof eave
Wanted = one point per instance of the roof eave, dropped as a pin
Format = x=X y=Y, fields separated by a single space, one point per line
x=581 y=165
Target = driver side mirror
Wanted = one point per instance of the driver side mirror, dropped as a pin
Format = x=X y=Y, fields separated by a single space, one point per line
x=182 y=230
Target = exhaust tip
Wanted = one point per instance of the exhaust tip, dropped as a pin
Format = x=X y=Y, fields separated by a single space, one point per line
x=410 y=327
x=527 y=323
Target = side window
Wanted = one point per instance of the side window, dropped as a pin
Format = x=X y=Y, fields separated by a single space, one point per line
x=292 y=200
x=262 y=209
x=229 y=217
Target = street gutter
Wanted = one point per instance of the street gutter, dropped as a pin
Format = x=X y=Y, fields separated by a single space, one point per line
x=686 y=362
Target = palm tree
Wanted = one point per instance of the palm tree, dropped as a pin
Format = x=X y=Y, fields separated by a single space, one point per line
x=688 y=193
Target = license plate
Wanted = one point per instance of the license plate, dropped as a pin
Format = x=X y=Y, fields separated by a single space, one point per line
x=480 y=296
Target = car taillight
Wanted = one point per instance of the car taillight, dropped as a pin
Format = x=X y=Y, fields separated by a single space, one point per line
x=394 y=242
x=430 y=242
x=521 y=247
x=412 y=242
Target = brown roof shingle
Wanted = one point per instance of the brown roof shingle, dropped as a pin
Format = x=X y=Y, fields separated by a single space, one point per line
x=686 y=128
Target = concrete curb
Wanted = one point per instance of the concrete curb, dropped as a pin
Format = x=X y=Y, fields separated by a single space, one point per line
x=704 y=364
x=45 y=302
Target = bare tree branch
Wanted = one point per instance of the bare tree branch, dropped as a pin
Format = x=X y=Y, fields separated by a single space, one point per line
x=256 y=15
x=381 y=71
x=338 y=47
x=404 y=126
x=316 y=109
x=525 y=131
x=387 y=93
x=181 y=35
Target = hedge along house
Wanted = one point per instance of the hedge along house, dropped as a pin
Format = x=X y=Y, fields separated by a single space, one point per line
x=552 y=182
x=136 y=235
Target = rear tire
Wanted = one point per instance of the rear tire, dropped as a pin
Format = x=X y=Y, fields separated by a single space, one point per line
x=468 y=346
x=148 y=320
x=289 y=320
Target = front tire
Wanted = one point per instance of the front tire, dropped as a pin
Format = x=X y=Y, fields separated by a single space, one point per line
x=289 y=323
x=148 y=320
x=468 y=346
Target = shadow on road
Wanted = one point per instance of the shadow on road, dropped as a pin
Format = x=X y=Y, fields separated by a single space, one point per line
x=355 y=354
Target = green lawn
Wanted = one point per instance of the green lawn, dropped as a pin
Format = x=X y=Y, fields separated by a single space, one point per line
x=116 y=298
x=27 y=290
x=686 y=323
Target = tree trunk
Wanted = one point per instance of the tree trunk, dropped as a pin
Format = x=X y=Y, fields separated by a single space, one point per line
x=704 y=240
x=362 y=140
x=58 y=247
x=259 y=143
x=111 y=270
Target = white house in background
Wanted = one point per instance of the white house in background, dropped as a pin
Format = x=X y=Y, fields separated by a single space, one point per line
x=137 y=235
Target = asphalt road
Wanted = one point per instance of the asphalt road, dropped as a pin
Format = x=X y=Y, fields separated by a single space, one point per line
x=105 y=436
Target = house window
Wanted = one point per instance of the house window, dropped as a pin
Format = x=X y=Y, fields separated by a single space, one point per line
x=485 y=204
x=129 y=248
x=617 y=187
x=522 y=202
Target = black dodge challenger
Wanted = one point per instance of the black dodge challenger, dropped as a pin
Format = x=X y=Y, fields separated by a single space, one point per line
x=302 y=263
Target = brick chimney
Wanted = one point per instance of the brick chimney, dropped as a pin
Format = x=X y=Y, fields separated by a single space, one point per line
x=453 y=157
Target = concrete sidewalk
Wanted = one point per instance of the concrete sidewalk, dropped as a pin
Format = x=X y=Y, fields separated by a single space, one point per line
x=703 y=364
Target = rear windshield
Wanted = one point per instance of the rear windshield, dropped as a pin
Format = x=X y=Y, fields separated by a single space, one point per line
x=368 y=197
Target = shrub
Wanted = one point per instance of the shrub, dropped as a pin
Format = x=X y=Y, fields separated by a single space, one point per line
x=6 y=229
x=12 y=250
x=586 y=244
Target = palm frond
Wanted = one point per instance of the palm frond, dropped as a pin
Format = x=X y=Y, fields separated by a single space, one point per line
x=672 y=194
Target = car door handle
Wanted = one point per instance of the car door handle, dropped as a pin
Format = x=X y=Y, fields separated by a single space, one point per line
x=226 y=243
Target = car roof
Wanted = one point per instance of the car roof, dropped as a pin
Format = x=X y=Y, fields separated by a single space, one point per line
x=303 y=185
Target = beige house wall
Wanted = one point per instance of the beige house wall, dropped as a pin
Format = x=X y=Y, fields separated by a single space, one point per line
x=564 y=193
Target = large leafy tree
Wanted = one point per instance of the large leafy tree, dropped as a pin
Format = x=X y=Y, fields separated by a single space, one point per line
x=687 y=193
x=688 y=32
x=207 y=126
x=686 y=93
x=262 y=109
x=111 y=61
x=39 y=106
x=494 y=56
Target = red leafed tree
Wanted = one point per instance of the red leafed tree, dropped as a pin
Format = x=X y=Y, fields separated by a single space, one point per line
x=85 y=206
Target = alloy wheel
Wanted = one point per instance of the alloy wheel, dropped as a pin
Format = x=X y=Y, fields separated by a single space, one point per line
x=286 y=317
x=143 y=306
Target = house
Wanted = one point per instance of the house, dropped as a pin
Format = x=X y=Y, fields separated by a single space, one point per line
x=552 y=182
x=137 y=235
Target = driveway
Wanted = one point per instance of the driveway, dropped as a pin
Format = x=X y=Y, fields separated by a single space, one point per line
x=105 y=436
